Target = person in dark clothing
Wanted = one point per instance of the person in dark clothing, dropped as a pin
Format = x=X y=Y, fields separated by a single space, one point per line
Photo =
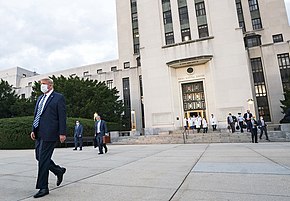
x=49 y=126
x=231 y=122
x=254 y=129
x=263 y=127
x=247 y=117
x=78 y=135
x=100 y=131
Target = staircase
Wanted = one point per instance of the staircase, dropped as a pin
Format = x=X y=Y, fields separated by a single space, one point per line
x=179 y=137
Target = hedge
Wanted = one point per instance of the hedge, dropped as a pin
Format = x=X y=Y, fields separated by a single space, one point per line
x=15 y=132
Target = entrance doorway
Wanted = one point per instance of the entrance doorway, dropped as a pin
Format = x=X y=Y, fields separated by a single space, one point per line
x=195 y=113
x=193 y=99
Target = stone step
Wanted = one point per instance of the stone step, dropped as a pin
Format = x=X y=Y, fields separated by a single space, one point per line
x=211 y=137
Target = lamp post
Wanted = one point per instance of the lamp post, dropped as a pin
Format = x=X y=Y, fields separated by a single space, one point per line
x=95 y=115
x=251 y=106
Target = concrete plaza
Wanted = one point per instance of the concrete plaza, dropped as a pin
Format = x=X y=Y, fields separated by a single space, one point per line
x=184 y=172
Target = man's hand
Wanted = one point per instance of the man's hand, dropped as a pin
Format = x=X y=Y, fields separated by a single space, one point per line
x=32 y=135
x=62 y=138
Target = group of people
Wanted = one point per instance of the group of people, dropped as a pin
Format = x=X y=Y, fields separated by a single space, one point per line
x=248 y=121
x=100 y=132
x=49 y=127
x=198 y=122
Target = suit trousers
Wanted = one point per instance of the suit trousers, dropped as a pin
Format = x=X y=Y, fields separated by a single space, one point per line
x=99 y=138
x=264 y=129
x=78 y=140
x=43 y=153
x=241 y=124
x=254 y=133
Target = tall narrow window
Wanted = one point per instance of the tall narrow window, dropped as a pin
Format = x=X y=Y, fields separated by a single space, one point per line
x=240 y=15
x=203 y=31
x=257 y=23
x=127 y=103
x=141 y=98
x=135 y=27
x=260 y=88
x=200 y=9
x=253 y=5
x=255 y=14
x=169 y=38
x=284 y=65
x=201 y=19
x=184 y=20
x=167 y=21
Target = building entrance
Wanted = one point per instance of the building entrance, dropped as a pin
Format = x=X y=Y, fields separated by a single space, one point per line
x=195 y=113
x=193 y=99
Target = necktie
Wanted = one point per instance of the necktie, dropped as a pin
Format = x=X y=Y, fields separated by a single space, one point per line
x=39 y=109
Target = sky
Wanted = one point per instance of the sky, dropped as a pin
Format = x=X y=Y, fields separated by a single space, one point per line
x=51 y=35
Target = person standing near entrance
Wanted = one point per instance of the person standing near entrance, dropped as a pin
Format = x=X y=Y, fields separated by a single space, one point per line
x=231 y=122
x=78 y=135
x=247 y=116
x=240 y=120
x=185 y=123
x=198 y=122
x=191 y=123
x=213 y=122
x=100 y=131
x=263 y=127
x=204 y=125
x=49 y=126
x=254 y=129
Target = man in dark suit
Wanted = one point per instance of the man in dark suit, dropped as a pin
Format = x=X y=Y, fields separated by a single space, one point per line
x=78 y=135
x=247 y=116
x=263 y=127
x=254 y=129
x=100 y=131
x=49 y=126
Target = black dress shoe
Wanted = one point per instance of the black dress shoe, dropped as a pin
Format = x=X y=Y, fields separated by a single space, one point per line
x=100 y=153
x=74 y=149
x=60 y=176
x=41 y=193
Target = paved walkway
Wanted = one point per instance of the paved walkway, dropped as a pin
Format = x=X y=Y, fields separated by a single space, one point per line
x=177 y=172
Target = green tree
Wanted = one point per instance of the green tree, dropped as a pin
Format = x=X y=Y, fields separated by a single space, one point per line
x=23 y=107
x=84 y=97
x=8 y=98
x=286 y=102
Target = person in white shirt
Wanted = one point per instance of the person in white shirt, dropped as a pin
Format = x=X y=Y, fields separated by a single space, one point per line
x=204 y=125
x=213 y=122
x=185 y=123
x=191 y=124
x=241 y=121
x=198 y=123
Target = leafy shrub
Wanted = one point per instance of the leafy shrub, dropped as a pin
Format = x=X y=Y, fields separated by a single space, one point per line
x=15 y=132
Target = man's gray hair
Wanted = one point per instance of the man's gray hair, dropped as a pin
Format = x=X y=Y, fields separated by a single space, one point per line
x=50 y=81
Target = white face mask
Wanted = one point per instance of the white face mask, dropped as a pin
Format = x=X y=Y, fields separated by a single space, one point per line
x=44 y=88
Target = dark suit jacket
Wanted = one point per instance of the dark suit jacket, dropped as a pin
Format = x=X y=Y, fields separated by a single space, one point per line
x=52 y=121
x=78 y=131
x=253 y=127
x=103 y=127
x=260 y=123
x=245 y=116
